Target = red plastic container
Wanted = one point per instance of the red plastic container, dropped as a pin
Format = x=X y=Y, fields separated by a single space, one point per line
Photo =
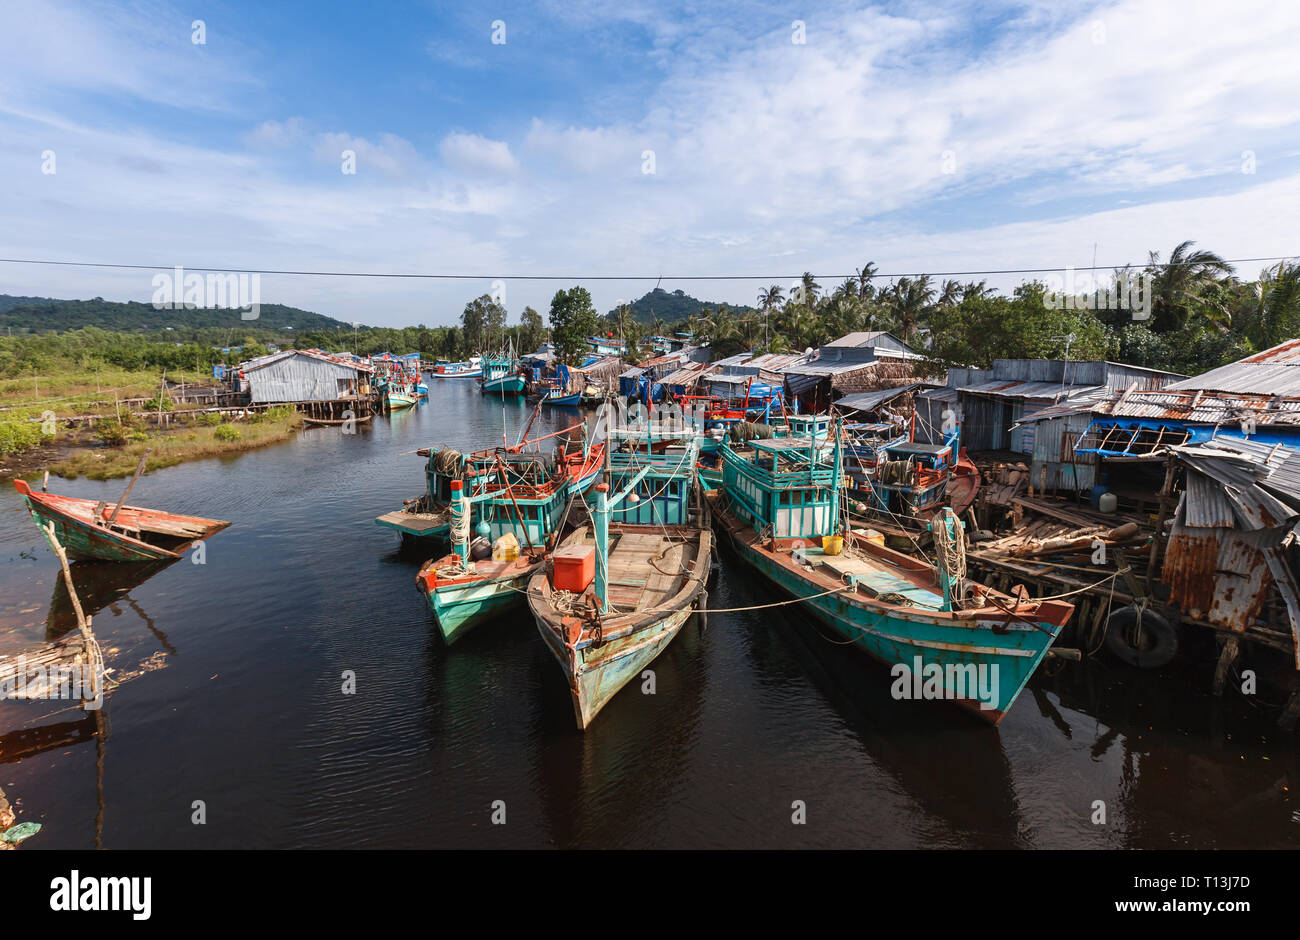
x=575 y=568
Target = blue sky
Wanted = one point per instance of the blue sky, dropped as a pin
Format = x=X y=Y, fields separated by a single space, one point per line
x=922 y=138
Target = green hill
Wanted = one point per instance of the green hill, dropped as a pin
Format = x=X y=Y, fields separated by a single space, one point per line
x=672 y=307
x=47 y=315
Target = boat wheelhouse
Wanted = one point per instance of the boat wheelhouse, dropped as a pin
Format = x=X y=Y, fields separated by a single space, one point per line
x=502 y=376
x=515 y=501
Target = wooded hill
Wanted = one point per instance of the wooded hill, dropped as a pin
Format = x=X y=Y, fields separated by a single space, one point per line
x=672 y=306
x=48 y=315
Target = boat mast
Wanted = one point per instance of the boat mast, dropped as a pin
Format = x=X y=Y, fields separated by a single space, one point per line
x=460 y=521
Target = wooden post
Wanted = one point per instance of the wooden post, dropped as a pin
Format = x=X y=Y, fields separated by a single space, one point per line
x=1226 y=659
x=94 y=655
x=139 y=469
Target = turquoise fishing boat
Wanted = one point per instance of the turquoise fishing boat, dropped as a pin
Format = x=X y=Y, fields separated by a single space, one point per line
x=619 y=589
x=502 y=376
x=520 y=501
x=944 y=636
x=400 y=395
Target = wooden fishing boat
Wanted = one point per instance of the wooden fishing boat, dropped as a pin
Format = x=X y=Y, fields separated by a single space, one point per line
x=334 y=422
x=583 y=462
x=459 y=370
x=524 y=495
x=954 y=639
x=92 y=529
x=556 y=399
x=502 y=376
x=618 y=590
x=400 y=395
x=901 y=484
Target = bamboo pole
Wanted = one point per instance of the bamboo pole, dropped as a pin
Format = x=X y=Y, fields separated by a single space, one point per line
x=139 y=469
x=94 y=655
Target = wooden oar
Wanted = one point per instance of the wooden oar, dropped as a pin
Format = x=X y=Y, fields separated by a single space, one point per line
x=139 y=469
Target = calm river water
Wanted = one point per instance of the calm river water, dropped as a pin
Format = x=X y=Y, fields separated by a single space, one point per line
x=233 y=697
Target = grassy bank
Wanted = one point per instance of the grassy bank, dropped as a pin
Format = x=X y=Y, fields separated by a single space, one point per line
x=179 y=445
x=66 y=389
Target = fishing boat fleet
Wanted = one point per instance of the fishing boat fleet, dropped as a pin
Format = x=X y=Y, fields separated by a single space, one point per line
x=608 y=541
x=604 y=532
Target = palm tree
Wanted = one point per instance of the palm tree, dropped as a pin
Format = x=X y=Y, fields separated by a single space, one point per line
x=808 y=288
x=1275 y=313
x=769 y=299
x=1181 y=289
x=909 y=302
x=949 y=293
x=865 y=290
x=975 y=290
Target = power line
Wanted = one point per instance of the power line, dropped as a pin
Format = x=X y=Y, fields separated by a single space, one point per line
x=614 y=277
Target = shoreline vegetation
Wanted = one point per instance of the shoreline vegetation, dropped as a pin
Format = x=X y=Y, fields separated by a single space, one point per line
x=194 y=441
x=112 y=448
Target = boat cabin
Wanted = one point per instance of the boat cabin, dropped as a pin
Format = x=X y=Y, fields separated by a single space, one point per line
x=783 y=485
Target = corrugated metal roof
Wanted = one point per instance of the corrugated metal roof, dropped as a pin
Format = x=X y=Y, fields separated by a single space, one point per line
x=347 y=361
x=1196 y=406
x=687 y=375
x=999 y=388
x=1274 y=371
x=1205 y=504
x=822 y=369
x=866 y=401
x=1071 y=406
x=861 y=338
x=1244 y=470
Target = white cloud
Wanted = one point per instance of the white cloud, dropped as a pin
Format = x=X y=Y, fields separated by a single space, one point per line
x=473 y=153
x=770 y=158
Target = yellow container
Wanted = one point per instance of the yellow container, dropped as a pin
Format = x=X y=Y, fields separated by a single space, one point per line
x=832 y=544
x=505 y=548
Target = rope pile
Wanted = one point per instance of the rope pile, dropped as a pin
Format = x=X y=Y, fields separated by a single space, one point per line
x=448 y=462
x=749 y=430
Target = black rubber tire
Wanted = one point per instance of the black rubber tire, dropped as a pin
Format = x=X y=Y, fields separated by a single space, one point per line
x=1159 y=639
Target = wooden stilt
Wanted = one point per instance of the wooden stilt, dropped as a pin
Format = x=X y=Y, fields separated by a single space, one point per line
x=1227 y=657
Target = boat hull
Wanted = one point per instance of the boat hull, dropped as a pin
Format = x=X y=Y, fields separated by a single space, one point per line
x=504 y=385
x=85 y=541
x=597 y=674
x=399 y=400
x=460 y=604
x=1007 y=650
x=562 y=401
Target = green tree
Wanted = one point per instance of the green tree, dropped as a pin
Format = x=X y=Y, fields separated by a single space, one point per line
x=573 y=319
x=532 y=330
x=1181 y=290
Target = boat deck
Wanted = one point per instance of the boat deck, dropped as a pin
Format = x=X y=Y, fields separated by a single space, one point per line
x=877 y=578
x=416 y=523
x=645 y=568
